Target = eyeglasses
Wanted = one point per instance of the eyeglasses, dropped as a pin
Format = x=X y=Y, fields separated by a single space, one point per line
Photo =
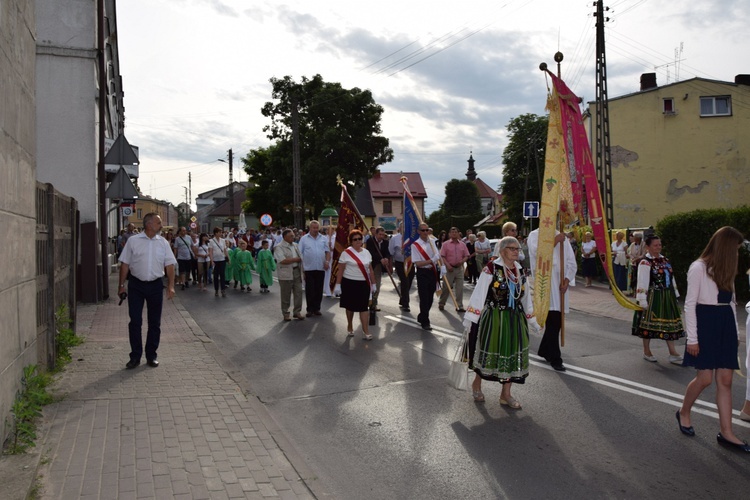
x=356 y=239
x=423 y=230
x=513 y=249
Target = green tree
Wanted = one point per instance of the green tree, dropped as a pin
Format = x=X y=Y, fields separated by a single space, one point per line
x=462 y=199
x=523 y=160
x=462 y=207
x=339 y=134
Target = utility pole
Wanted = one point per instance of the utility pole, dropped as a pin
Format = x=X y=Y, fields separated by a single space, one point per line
x=231 y=189
x=190 y=187
x=603 y=159
x=299 y=222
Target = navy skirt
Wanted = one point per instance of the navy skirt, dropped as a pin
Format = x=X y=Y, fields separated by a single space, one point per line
x=588 y=267
x=717 y=338
x=355 y=295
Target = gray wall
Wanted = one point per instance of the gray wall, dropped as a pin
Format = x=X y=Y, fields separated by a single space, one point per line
x=17 y=194
x=66 y=92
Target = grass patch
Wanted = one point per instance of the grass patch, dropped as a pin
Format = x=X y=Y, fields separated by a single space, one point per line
x=65 y=337
x=33 y=395
x=27 y=408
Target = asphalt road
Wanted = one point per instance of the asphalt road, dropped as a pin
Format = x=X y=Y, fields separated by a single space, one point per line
x=378 y=420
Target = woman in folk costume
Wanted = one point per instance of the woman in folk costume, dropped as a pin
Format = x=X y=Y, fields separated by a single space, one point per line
x=498 y=345
x=711 y=324
x=265 y=266
x=243 y=265
x=657 y=293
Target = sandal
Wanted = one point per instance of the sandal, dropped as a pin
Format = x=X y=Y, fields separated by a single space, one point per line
x=366 y=336
x=512 y=402
x=350 y=333
x=478 y=396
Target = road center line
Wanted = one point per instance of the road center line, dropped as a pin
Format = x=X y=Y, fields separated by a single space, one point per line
x=600 y=378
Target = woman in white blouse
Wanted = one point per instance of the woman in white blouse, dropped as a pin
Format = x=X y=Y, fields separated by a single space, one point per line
x=355 y=283
x=588 y=258
x=482 y=249
x=620 y=260
x=711 y=325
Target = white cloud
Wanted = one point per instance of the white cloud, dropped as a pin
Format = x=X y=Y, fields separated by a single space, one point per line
x=196 y=72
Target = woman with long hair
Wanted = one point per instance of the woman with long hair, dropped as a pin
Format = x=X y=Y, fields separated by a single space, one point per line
x=711 y=324
x=657 y=294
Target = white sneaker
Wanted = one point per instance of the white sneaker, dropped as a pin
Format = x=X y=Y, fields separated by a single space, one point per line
x=675 y=360
x=651 y=358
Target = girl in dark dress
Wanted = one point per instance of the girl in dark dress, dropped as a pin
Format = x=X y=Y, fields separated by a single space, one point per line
x=711 y=324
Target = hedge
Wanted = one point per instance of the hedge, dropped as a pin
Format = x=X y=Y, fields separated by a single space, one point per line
x=685 y=235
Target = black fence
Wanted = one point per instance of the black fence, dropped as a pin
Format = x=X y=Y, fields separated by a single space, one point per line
x=57 y=221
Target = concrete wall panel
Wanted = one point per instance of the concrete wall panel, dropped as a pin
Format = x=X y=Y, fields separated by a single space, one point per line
x=17 y=192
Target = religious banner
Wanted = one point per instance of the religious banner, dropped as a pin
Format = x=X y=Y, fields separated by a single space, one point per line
x=349 y=218
x=412 y=219
x=579 y=158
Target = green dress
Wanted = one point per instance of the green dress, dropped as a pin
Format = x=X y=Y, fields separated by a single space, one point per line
x=266 y=265
x=229 y=270
x=661 y=319
x=498 y=343
x=242 y=264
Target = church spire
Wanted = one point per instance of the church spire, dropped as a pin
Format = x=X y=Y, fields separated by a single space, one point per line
x=471 y=174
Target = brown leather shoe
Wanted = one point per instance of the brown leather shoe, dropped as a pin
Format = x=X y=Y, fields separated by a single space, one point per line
x=299 y=317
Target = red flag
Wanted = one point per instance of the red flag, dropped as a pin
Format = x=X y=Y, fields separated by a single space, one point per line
x=349 y=218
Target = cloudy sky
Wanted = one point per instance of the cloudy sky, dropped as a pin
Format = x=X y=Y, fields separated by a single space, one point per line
x=450 y=75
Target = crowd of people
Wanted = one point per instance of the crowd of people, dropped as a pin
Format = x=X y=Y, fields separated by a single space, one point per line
x=499 y=314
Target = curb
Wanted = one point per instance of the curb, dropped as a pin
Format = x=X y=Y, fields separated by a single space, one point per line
x=304 y=471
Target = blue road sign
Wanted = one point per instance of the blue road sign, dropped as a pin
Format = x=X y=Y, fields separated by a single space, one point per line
x=531 y=209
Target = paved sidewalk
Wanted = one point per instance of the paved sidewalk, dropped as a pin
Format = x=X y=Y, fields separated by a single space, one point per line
x=182 y=430
x=598 y=300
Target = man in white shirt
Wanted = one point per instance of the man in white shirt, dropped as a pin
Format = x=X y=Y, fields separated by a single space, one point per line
x=549 y=348
x=425 y=256
x=146 y=256
x=314 y=249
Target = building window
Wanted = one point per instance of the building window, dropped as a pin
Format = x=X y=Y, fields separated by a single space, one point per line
x=387 y=207
x=716 y=106
x=668 y=104
x=139 y=214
